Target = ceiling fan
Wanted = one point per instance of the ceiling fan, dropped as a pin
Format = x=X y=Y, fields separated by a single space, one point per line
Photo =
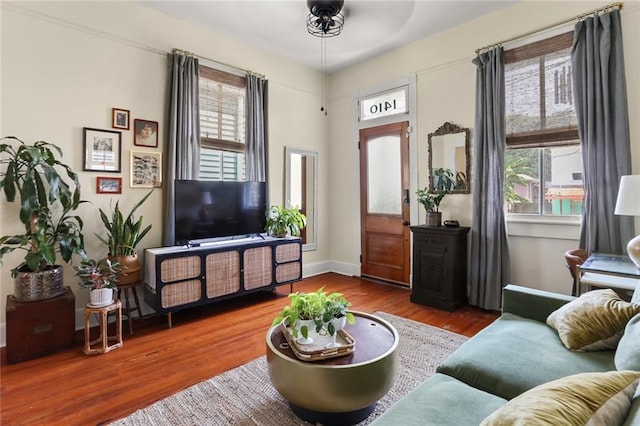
x=325 y=19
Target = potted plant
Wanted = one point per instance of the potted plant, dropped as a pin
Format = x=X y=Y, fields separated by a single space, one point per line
x=123 y=235
x=283 y=221
x=48 y=192
x=303 y=313
x=430 y=198
x=100 y=276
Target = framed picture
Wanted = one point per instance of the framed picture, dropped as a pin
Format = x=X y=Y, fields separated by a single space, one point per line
x=120 y=118
x=146 y=169
x=108 y=185
x=101 y=150
x=146 y=133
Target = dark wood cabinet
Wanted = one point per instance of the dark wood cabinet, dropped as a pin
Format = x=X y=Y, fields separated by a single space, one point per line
x=439 y=266
x=40 y=328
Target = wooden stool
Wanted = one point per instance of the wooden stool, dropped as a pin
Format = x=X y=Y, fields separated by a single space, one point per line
x=127 y=307
x=103 y=340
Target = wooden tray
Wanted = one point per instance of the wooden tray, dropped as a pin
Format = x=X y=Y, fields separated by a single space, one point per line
x=317 y=351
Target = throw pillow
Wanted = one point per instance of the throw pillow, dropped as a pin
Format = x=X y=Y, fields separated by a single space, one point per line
x=628 y=352
x=585 y=398
x=594 y=321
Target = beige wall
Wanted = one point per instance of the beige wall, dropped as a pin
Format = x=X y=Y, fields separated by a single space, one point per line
x=66 y=64
x=446 y=92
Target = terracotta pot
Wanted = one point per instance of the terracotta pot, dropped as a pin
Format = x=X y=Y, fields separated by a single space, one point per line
x=131 y=269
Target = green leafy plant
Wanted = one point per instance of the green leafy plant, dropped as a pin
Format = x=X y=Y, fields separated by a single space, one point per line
x=336 y=307
x=282 y=221
x=431 y=198
x=97 y=274
x=302 y=306
x=49 y=192
x=317 y=306
x=123 y=234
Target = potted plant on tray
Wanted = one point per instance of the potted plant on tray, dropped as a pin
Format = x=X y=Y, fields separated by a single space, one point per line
x=430 y=198
x=100 y=276
x=303 y=314
x=48 y=192
x=123 y=235
x=283 y=221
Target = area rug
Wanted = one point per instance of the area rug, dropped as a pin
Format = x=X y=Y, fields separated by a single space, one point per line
x=244 y=396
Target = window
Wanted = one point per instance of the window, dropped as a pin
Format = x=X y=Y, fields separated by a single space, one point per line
x=222 y=125
x=543 y=161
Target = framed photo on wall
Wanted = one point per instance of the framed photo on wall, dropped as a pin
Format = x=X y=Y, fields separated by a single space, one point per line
x=108 y=185
x=120 y=118
x=146 y=169
x=146 y=133
x=101 y=150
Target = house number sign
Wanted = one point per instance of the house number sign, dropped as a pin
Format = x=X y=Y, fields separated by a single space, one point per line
x=384 y=104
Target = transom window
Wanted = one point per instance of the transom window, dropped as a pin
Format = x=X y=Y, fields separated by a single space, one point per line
x=543 y=161
x=222 y=125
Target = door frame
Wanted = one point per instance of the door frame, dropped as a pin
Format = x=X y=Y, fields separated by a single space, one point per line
x=411 y=117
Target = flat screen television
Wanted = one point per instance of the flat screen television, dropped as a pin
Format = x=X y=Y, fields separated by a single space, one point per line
x=206 y=210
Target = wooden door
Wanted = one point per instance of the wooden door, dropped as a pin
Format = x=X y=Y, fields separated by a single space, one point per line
x=384 y=202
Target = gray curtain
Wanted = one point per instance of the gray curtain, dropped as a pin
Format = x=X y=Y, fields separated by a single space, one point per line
x=601 y=105
x=489 y=265
x=257 y=120
x=182 y=149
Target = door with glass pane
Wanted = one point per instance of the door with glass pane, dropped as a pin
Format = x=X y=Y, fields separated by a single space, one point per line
x=384 y=202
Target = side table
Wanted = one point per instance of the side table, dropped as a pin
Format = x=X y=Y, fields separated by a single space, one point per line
x=342 y=390
x=103 y=340
x=127 y=307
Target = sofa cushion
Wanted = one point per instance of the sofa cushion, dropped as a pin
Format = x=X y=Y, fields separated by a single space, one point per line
x=515 y=354
x=441 y=400
x=586 y=398
x=628 y=352
x=594 y=321
x=633 y=417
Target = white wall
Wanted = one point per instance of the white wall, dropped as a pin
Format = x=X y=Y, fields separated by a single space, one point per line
x=66 y=64
x=446 y=92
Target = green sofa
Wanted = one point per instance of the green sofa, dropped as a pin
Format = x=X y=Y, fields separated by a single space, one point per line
x=515 y=353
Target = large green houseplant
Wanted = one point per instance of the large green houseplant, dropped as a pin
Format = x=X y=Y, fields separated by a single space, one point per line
x=283 y=221
x=49 y=193
x=123 y=235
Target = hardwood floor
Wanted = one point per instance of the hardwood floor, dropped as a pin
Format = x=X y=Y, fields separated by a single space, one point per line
x=72 y=388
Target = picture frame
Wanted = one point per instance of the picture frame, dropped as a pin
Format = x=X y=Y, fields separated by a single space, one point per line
x=101 y=150
x=146 y=133
x=108 y=185
x=145 y=169
x=120 y=118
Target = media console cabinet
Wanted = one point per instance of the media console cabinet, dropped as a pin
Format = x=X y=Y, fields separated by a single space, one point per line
x=182 y=277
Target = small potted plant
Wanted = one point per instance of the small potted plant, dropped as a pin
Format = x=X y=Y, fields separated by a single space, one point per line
x=335 y=316
x=283 y=221
x=100 y=276
x=48 y=193
x=304 y=313
x=430 y=198
x=123 y=235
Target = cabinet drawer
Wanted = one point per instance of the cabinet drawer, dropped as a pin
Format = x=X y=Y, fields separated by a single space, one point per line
x=180 y=268
x=181 y=293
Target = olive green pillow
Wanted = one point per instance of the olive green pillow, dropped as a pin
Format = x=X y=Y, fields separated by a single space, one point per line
x=628 y=351
x=585 y=398
x=594 y=321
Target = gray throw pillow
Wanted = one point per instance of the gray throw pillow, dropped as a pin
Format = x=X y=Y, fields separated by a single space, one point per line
x=628 y=351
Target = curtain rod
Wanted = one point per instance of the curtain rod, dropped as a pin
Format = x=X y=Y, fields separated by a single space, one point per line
x=557 y=24
x=186 y=52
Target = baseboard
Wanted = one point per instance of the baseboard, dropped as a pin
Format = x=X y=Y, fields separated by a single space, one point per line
x=308 y=270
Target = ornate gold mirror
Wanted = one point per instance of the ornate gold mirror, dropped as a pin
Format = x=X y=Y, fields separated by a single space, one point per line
x=301 y=189
x=449 y=149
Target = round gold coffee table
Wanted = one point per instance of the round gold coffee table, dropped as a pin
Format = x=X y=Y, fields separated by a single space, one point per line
x=341 y=390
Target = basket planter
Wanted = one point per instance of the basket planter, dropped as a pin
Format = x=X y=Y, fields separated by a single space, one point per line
x=34 y=286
